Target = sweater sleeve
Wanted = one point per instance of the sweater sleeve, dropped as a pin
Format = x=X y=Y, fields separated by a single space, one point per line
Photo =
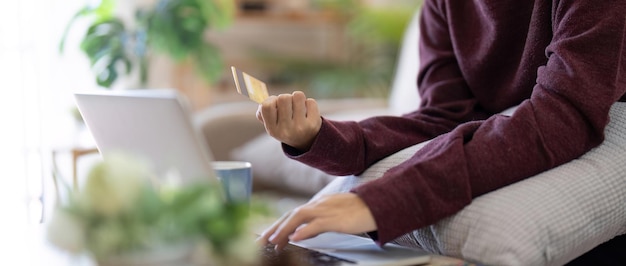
x=564 y=118
x=345 y=148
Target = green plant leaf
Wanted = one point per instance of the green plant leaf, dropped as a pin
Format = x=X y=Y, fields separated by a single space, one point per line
x=103 y=11
x=104 y=45
x=175 y=28
x=208 y=62
x=220 y=13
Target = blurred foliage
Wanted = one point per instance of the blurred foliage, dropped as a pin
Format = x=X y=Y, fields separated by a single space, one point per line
x=174 y=28
x=123 y=207
x=375 y=35
x=343 y=7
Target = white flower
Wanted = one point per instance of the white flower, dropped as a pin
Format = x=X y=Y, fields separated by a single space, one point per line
x=66 y=231
x=114 y=184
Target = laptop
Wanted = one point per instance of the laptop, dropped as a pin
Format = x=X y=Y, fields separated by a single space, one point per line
x=153 y=124
x=157 y=124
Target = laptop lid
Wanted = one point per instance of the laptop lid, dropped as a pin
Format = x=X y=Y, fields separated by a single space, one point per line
x=154 y=124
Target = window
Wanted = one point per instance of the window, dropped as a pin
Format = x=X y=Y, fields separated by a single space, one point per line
x=36 y=84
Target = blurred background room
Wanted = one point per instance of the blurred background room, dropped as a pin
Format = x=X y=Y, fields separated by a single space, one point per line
x=343 y=49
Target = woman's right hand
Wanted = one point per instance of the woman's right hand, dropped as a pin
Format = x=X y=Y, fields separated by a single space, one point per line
x=291 y=118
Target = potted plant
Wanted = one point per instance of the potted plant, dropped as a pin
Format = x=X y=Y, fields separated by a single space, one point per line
x=124 y=215
x=175 y=28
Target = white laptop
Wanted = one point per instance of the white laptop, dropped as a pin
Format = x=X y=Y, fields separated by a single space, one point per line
x=156 y=124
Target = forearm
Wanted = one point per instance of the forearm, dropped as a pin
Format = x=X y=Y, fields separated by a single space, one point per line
x=349 y=147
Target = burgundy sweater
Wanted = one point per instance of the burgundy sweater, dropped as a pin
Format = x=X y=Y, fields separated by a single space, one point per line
x=562 y=62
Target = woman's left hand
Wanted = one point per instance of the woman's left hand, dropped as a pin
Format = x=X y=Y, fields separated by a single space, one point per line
x=343 y=213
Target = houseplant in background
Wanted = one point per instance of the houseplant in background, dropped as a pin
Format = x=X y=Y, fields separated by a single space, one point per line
x=124 y=215
x=375 y=34
x=117 y=46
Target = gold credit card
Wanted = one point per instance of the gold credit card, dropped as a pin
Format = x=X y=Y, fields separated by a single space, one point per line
x=249 y=86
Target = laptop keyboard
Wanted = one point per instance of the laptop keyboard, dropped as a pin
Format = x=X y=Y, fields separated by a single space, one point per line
x=297 y=256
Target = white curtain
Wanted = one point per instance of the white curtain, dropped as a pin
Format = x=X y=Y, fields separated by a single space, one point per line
x=36 y=84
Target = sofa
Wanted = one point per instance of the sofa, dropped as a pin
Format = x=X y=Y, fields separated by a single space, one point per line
x=549 y=219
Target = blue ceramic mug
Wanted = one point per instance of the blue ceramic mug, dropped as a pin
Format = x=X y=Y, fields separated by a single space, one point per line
x=236 y=178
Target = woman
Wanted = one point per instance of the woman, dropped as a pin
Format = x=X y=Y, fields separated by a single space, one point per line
x=561 y=62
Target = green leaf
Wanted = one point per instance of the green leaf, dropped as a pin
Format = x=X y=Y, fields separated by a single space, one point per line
x=208 y=62
x=105 y=10
x=219 y=13
x=107 y=76
x=175 y=28
x=104 y=45
x=102 y=12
